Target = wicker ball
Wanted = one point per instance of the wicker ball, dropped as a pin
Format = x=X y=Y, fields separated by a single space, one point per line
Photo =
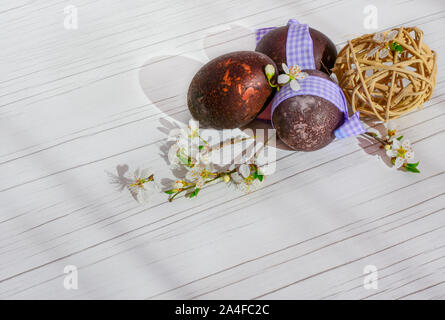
x=385 y=87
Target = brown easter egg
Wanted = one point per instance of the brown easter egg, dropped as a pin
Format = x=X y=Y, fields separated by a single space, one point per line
x=229 y=91
x=273 y=44
x=307 y=122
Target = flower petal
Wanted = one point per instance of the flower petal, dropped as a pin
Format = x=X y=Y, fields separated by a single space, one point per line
x=236 y=177
x=267 y=169
x=143 y=196
x=383 y=53
x=295 y=85
x=396 y=144
x=200 y=183
x=391 y=153
x=399 y=162
x=145 y=173
x=285 y=68
x=391 y=35
x=244 y=170
x=391 y=125
x=379 y=37
x=193 y=124
x=409 y=155
x=174 y=133
x=372 y=52
x=406 y=144
x=283 y=78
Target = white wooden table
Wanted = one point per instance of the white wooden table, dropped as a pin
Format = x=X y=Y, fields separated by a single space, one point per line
x=76 y=104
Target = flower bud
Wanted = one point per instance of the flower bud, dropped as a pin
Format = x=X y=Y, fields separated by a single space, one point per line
x=270 y=70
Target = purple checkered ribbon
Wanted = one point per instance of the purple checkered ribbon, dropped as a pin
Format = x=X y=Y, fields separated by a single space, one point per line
x=316 y=86
x=260 y=33
x=299 y=48
x=299 y=51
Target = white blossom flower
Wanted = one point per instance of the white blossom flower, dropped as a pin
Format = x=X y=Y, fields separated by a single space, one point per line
x=200 y=174
x=391 y=131
x=143 y=185
x=203 y=155
x=292 y=76
x=191 y=131
x=244 y=185
x=186 y=146
x=187 y=136
x=401 y=151
x=266 y=165
x=382 y=40
x=178 y=184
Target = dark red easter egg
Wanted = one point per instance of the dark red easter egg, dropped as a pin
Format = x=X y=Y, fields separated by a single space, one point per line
x=229 y=91
x=306 y=122
x=273 y=44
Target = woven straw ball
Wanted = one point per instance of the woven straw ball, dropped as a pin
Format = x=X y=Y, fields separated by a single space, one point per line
x=388 y=74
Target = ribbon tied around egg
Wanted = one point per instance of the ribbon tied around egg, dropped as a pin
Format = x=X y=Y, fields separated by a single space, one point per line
x=299 y=52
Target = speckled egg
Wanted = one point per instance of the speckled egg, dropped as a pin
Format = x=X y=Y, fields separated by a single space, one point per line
x=307 y=122
x=273 y=44
x=229 y=91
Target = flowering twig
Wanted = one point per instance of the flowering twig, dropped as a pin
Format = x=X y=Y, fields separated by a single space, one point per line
x=183 y=186
x=398 y=149
x=195 y=158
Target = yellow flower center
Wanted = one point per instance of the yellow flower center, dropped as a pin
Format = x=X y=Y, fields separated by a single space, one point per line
x=248 y=180
x=139 y=182
x=295 y=70
x=401 y=152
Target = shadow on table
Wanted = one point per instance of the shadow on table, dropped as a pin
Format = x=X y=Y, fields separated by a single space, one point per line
x=371 y=147
x=165 y=79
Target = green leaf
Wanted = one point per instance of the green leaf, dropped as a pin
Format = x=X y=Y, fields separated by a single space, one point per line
x=396 y=47
x=194 y=193
x=256 y=175
x=413 y=165
x=200 y=147
x=169 y=192
x=400 y=138
x=412 y=169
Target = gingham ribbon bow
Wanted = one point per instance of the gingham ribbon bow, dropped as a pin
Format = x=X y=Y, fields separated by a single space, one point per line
x=299 y=51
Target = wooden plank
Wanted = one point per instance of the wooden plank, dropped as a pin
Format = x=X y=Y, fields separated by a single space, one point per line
x=75 y=104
